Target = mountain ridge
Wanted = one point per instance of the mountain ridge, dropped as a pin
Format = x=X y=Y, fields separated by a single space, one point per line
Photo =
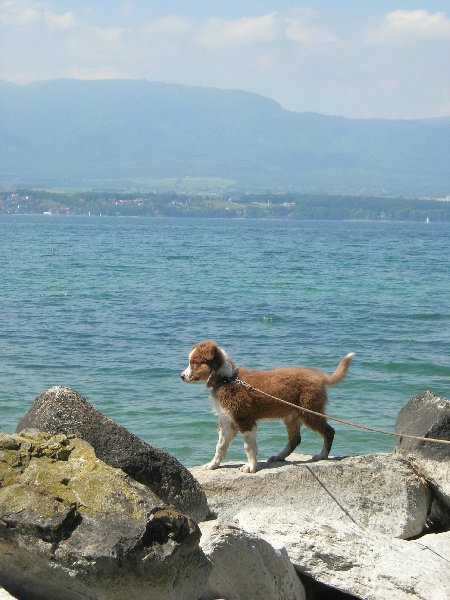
x=73 y=131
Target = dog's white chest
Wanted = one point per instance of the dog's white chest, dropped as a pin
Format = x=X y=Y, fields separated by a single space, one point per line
x=217 y=408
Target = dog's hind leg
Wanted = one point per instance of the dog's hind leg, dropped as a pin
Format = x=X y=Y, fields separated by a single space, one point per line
x=227 y=433
x=292 y=424
x=251 y=450
x=327 y=433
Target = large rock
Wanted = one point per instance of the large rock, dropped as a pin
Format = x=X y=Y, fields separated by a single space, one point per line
x=73 y=527
x=428 y=416
x=355 y=560
x=62 y=410
x=380 y=492
x=246 y=567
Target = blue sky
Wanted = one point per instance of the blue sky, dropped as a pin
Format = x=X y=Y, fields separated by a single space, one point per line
x=354 y=58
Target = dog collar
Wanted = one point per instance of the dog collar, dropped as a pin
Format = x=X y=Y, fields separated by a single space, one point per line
x=216 y=382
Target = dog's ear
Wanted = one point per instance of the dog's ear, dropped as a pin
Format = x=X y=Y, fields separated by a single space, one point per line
x=209 y=351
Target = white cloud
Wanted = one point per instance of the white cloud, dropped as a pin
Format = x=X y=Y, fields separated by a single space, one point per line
x=245 y=31
x=22 y=14
x=272 y=27
x=109 y=34
x=306 y=35
x=64 y=21
x=172 y=25
x=411 y=24
x=19 y=13
x=308 y=60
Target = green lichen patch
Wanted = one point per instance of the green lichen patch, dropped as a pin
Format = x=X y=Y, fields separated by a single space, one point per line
x=50 y=474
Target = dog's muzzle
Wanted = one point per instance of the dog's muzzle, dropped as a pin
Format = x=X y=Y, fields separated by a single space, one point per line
x=187 y=377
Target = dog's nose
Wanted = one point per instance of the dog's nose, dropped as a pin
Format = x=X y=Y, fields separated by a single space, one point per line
x=183 y=376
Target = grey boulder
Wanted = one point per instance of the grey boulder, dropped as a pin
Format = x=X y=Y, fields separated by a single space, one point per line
x=62 y=410
x=377 y=491
x=428 y=416
x=246 y=567
x=355 y=560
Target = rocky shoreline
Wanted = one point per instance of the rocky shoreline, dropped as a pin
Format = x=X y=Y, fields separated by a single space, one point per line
x=88 y=511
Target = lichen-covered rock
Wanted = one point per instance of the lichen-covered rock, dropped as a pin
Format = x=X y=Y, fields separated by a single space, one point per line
x=63 y=410
x=74 y=527
x=380 y=492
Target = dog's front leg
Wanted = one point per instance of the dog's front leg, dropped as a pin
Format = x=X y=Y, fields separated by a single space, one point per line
x=251 y=450
x=227 y=433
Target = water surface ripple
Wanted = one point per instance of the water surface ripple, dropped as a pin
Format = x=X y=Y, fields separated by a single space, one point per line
x=111 y=307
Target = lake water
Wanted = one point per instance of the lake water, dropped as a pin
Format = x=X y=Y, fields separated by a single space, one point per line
x=111 y=306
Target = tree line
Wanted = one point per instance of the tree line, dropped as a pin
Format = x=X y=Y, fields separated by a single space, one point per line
x=224 y=205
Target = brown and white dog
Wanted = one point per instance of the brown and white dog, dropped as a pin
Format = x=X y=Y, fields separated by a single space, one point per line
x=239 y=409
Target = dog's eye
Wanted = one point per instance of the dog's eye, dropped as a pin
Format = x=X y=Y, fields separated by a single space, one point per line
x=195 y=363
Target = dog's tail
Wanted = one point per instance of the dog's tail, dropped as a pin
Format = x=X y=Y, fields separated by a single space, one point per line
x=340 y=371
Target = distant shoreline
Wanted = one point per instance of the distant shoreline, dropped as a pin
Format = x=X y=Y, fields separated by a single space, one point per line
x=237 y=205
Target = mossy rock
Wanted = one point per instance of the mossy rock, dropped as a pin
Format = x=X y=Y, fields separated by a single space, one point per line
x=87 y=527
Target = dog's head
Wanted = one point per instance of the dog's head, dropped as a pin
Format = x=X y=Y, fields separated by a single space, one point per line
x=206 y=359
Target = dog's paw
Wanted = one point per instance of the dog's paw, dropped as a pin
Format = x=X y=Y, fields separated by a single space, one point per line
x=318 y=457
x=276 y=458
x=211 y=465
x=247 y=468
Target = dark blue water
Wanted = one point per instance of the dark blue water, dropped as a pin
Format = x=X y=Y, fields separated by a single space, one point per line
x=111 y=307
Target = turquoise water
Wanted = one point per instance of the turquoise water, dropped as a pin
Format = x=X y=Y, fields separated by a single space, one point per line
x=111 y=307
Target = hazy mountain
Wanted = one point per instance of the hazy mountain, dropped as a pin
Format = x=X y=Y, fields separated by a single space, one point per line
x=72 y=132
